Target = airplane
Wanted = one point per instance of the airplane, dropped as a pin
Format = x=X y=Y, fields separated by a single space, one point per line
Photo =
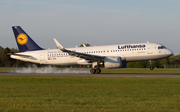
x=110 y=56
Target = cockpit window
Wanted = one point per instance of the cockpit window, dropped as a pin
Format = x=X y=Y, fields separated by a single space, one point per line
x=161 y=47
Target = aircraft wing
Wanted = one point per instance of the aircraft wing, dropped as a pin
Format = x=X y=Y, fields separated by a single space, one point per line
x=90 y=57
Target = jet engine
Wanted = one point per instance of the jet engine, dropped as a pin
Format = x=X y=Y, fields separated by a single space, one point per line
x=113 y=62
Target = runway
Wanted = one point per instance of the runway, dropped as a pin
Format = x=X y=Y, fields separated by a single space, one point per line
x=92 y=75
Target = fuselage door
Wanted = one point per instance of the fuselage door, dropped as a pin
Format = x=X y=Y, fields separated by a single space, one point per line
x=42 y=56
x=149 y=49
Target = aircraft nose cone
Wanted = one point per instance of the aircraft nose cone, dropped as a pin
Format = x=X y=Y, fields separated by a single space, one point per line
x=169 y=52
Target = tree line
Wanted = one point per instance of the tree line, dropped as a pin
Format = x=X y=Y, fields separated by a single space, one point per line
x=6 y=61
x=161 y=63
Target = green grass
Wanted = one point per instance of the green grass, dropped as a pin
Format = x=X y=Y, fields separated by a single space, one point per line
x=6 y=69
x=84 y=94
x=142 y=71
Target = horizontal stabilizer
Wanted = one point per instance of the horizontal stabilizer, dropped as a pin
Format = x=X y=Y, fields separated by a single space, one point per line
x=21 y=55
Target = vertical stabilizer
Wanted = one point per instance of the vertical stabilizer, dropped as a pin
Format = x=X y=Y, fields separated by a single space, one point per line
x=24 y=42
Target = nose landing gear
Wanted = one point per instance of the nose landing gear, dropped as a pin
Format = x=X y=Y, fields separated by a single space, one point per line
x=151 y=67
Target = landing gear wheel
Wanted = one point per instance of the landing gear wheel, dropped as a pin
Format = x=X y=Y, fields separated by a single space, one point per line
x=98 y=71
x=151 y=68
x=150 y=62
x=93 y=71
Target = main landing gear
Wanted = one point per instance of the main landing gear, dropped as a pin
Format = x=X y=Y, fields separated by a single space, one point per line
x=97 y=70
x=151 y=67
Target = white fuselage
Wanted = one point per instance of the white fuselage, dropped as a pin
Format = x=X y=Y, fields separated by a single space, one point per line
x=127 y=52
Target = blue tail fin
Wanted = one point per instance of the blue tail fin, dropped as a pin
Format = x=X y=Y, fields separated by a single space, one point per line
x=24 y=42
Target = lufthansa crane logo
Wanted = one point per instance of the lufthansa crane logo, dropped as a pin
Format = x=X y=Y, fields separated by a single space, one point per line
x=22 y=38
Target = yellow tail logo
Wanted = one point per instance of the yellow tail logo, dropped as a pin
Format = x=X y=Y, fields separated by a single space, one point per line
x=22 y=38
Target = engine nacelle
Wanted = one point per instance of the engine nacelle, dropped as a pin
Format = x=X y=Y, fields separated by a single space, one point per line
x=83 y=62
x=112 y=62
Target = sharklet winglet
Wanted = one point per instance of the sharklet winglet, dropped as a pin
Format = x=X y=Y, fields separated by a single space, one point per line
x=59 y=45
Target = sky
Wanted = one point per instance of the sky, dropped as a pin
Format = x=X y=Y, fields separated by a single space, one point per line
x=97 y=22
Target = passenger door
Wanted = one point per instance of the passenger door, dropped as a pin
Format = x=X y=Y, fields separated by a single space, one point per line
x=42 y=56
x=149 y=48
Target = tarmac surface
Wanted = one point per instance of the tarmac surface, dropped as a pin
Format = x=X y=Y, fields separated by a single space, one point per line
x=91 y=75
